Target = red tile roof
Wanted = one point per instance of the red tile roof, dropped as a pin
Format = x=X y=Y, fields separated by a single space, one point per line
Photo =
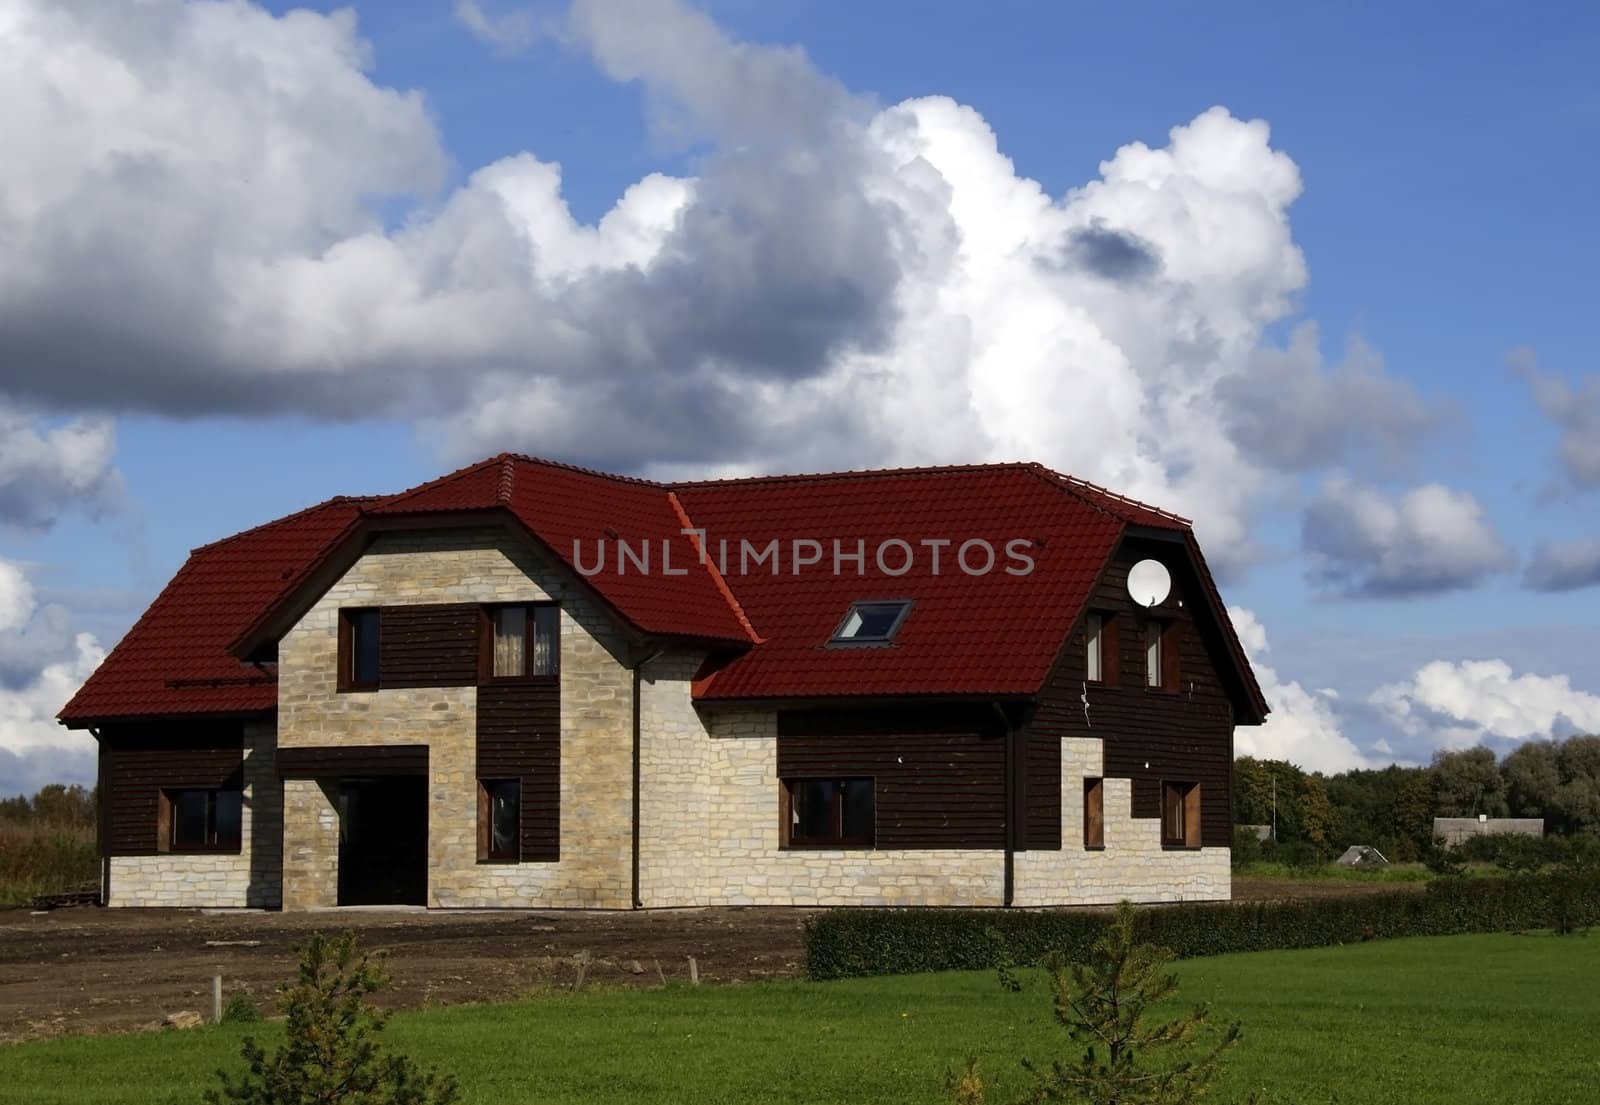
x=989 y=634
x=577 y=512
x=175 y=660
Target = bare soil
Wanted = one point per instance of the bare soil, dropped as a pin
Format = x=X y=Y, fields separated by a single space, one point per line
x=86 y=969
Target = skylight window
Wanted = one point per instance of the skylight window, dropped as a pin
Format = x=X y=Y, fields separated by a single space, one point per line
x=871 y=622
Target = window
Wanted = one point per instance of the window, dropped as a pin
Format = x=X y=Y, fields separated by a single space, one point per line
x=1100 y=647
x=1161 y=655
x=201 y=820
x=871 y=622
x=1094 y=813
x=1095 y=654
x=358 y=650
x=521 y=642
x=1180 y=815
x=500 y=819
x=830 y=813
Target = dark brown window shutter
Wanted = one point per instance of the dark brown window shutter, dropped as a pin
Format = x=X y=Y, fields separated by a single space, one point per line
x=1094 y=813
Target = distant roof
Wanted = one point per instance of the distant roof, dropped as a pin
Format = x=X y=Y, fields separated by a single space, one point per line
x=1456 y=829
x=994 y=634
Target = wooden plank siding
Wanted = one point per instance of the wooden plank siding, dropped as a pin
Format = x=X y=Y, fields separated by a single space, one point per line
x=519 y=737
x=1149 y=734
x=1041 y=792
x=431 y=645
x=138 y=761
x=939 y=773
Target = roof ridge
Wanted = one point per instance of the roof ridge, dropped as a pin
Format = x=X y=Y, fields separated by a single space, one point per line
x=856 y=473
x=302 y=512
x=1077 y=486
x=508 y=478
x=439 y=481
x=581 y=469
x=695 y=538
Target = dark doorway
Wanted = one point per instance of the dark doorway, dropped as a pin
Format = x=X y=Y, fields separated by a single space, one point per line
x=383 y=841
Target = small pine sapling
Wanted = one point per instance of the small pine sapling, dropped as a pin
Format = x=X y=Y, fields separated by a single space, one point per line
x=1130 y=1057
x=330 y=1054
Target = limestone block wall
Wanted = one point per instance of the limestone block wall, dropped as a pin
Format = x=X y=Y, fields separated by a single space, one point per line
x=712 y=793
x=1133 y=866
x=310 y=845
x=675 y=764
x=251 y=877
x=596 y=721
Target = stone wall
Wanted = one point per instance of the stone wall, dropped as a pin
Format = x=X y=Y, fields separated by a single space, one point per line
x=1133 y=866
x=709 y=821
x=710 y=832
x=596 y=724
x=250 y=877
x=675 y=765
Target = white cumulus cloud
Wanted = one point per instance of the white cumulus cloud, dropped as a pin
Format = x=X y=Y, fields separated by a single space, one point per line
x=1303 y=727
x=1423 y=541
x=191 y=213
x=509 y=32
x=1575 y=410
x=1460 y=704
x=1563 y=566
x=47 y=470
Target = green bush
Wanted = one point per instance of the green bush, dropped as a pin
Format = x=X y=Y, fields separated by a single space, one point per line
x=240 y=1008
x=1246 y=846
x=330 y=1051
x=848 y=943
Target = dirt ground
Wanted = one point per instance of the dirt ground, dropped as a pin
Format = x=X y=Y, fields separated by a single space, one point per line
x=85 y=969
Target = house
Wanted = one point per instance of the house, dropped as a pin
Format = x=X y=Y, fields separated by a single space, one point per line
x=529 y=684
x=1362 y=855
x=1456 y=830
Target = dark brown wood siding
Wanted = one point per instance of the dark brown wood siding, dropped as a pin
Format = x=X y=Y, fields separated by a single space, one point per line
x=434 y=645
x=939 y=773
x=348 y=760
x=1041 y=791
x=138 y=761
x=1150 y=734
x=519 y=737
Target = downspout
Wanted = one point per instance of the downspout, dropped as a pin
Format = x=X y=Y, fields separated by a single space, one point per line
x=101 y=798
x=1011 y=801
x=638 y=681
x=634 y=881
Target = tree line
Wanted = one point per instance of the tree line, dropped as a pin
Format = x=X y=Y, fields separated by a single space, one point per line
x=1393 y=808
x=56 y=806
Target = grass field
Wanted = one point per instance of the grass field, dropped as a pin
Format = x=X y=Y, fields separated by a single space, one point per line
x=1395 y=872
x=1453 y=1021
x=45 y=859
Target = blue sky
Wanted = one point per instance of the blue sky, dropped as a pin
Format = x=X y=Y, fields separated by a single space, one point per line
x=1447 y=155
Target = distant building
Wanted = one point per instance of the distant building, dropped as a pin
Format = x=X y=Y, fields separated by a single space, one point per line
x=1362 y=855
x=1457 y=829
x=1262 y=832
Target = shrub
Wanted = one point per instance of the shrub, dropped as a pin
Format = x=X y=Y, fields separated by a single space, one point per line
x=847 y=943
x=1246 y=846
x=240 y=1008
x=1443 y=859
x=330 y=1053
x=1106 y=1002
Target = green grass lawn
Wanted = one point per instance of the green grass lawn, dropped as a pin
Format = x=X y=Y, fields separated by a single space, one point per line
x=1395 y=872
x=1451 y=1020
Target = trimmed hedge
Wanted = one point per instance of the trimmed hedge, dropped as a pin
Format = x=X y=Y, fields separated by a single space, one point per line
x=853 y=943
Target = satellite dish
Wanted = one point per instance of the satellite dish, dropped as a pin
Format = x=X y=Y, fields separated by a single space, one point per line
x=1149 y=583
